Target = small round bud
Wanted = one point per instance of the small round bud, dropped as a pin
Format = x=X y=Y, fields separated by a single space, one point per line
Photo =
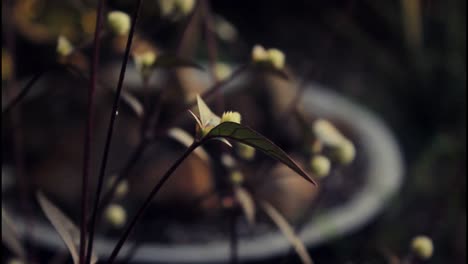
x=64 y=47
x=185 y=6
x=115 y=215
x=245 y=151
x=236 y=177
x=345 y=152
x=327 y=133
x=422 y=247
x=230 y=116
x=259 y=54
x=166 y=7
x=7 y=65
x=119 y=22
x=320 y=165
x=228 y=161
x=225 y=30
x=277 y=58
x=121 y=190
x=222 y=71
x=144 y=61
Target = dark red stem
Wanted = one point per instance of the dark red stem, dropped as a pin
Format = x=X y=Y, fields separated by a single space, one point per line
x=111 y=129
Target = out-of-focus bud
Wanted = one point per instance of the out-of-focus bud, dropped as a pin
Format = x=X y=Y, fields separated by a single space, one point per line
x=145 y=61
x=422 y=247
x=236 y=177
x=64 y=47
x=116 y=215
x=222 y=71
x=277 y=58
x=245 y=151
x=345 y=152
x=320 y=166
x=185 y=6
x=259 y=54
x=119 y=22
x=327 y=133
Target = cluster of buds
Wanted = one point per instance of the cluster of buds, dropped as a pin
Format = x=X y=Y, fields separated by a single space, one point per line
x=327 y=135
x=343 y=149
x=273 y=57
x=176 y=8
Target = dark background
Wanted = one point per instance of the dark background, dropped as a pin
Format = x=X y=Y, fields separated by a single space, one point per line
x=359 y=48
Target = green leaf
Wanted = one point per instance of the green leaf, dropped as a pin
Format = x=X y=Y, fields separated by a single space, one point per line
x=288 y=231
x=248 y=136
x=67 y=230
x=171 y=61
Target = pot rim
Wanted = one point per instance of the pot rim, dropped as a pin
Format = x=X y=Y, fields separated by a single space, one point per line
x=384 y=172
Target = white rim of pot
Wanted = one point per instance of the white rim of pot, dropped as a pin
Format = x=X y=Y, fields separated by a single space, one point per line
x=384 y=173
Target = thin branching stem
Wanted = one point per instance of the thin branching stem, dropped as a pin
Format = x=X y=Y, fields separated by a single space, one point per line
x=149 y=198
x=89 y=131
x=111 y=129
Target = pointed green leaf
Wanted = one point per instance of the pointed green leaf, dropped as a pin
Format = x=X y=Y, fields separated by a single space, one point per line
x=248 y=136
x=207 y=117
x=67 y=230
x=287 y=231
x=171 y=61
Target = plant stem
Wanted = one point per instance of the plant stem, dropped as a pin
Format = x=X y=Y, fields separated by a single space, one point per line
x=111 y=128
x=149 y=198
x=88 y=133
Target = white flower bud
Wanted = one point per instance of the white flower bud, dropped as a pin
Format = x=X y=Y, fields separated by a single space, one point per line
x=185 y=6
x=119 y=22
x=276 y=58
x=230 y=116
x=222 y=71
x=345 y=152
x=64 y=47
x=422 y=247
x=259 y=54
x=116 y=215
x=245 y=151
x=320 y=165
x=236 y=177
x=327 y=133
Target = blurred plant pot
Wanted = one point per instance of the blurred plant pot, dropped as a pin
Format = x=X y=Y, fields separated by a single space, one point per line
x=382 y=174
